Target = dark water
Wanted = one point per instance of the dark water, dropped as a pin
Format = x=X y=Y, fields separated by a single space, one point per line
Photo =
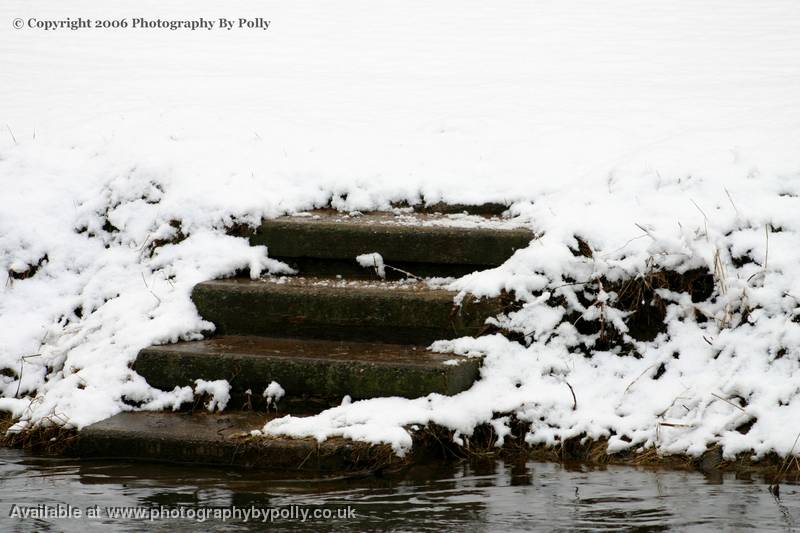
x=490 y=496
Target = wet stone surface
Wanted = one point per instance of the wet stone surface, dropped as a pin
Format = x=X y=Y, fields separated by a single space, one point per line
x=311 y=367
x=418 y=238
x=413 y=314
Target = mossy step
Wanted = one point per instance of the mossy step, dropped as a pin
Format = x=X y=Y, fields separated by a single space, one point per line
x=307 y=367
x=222 y=439
x=422 y=243
x=392 y=312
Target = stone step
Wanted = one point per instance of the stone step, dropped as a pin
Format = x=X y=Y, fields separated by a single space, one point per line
x=317 y=369
x=391 y=312
x=327 y=242
x=222 y=439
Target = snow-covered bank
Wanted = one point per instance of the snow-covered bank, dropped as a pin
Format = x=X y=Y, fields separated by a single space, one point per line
x=662 y=136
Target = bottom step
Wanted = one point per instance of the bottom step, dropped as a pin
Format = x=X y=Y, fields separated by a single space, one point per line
x=223 y=439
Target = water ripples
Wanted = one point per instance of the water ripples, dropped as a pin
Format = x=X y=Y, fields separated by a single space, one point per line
x=488 y=496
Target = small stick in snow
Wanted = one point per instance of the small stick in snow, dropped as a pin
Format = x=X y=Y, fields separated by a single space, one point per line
x=673 y=425
x=698 y=208
x=637 y=378
x=21 y=367
x=12 y=134
x=731 y=199
x=728 y=402
x=763 y=271
x=22 y=363
x=142 y=247
x=705 y=218
x=403 y=272
x=719 y=272
x=155 y=296
x=574 y=399
x=786 y=293
x=149 y=289
x=623 y=246
x=647 y=231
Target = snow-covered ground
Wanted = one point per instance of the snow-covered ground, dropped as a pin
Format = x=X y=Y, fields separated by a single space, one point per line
x=663 y=134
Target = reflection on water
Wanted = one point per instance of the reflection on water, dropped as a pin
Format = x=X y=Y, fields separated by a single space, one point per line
x=488 y=496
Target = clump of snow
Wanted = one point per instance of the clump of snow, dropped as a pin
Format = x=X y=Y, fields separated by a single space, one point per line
x=669 y=143
x=273 y=393
x=373 y=260
x=159 y=400
x=218 y=392
x=501 y=429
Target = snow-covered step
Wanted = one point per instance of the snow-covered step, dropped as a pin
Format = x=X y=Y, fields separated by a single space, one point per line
x=307 y=368
x=425 y=244
x=223 y=439
x=392 y=312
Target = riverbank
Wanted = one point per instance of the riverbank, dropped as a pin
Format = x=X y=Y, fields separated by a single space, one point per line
x=432 y=446
x=653 y=154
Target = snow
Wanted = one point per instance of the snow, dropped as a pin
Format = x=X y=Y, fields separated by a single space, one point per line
x=218 y=391
x=664 y=136
x=373 y=260
x=273 y=393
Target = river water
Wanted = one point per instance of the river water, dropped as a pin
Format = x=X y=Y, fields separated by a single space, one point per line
x=487 y=496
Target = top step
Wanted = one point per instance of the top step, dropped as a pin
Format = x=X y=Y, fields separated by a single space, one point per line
x=402 y=239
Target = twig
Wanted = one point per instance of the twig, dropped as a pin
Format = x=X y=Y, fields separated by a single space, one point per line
x=149 y=289
x=12 y=134
x=142 y=247
x=705 y=222
x=698 y=208
x=402 y=271
x=796 y=299
x=574 y=399
x=637 y=378
x=647 y=231
x=624 y=245
x=22 y=364
x=729 y=403
x=719 y=270
x=763 y=271
x=731 y=199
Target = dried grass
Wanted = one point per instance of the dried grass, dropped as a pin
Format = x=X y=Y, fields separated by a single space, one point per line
x=436 y=442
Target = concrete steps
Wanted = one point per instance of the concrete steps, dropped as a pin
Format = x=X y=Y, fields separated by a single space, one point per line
x=222 y=439
x=326 y=370
x=328 y=332
x=327 y=242
x=405 y=313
